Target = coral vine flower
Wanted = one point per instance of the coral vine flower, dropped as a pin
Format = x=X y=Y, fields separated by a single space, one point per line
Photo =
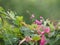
x=47 y=29
x=38 y=22
x=42 y=42
x=43 y=32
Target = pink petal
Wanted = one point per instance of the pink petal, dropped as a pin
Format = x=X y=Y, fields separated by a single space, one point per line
x=41 y=17
x=42 y=42
x=47 y=29
x=38 y=22
x=43 y=32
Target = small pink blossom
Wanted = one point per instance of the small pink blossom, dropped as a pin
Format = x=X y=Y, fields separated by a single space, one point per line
x=42 y=42
x=47 y=29
x=43 y=32
x=38 y=22
x=41 y=17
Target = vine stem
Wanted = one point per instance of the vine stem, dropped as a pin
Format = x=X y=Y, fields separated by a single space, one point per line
x=22 y=41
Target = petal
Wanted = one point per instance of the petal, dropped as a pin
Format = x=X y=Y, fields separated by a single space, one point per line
x=47 y=29
x=38 y=22
x=42 y=42
x=43 y=32
x=41 y=17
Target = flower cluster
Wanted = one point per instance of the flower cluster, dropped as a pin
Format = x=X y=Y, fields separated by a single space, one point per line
x=40 y=28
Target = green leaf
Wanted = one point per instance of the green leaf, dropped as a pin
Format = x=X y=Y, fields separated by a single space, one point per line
x=1 y=9
x=19 y=18
x=51 y=26
x=36 y=37
x=11 y=14
x=32 y=26
x=26 y=31
x=52 y=34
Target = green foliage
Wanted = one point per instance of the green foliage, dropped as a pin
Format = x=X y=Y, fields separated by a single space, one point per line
x=36 y=37
x=32 y=26
x=12 y=30
x=9 y=33
x=18 y=20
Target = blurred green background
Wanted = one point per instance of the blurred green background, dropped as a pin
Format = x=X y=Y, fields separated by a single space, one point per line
x=46 y=8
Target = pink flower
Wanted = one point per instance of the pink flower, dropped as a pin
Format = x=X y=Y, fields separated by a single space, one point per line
x=38 y=22
x=41 y=17
x=42 y=42
x=47 y=29
x=43 y=32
